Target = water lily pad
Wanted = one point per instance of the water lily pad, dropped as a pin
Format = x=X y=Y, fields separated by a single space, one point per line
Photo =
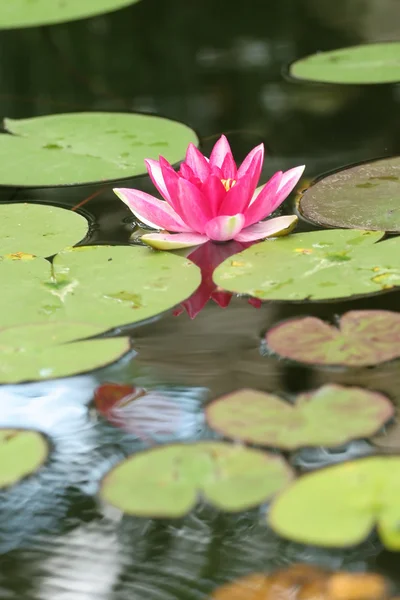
x=22 y=452
x=32 y=13
x=320 y=265
x=46 y=350
x=38 y=229
x=167 y=481
x=362 y=338
x=340 y=505
x=77 y=148
x=331 y=416
x=363 y=197
x=368 y=63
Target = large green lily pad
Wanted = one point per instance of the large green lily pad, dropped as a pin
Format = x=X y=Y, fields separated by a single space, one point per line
x=331 y=416
x=47 y=350
x=76 y=148
x=368 y=63
x=167 y=481
x=362 y=338
x=321 y=265
x=106 y=286
x=363 y=197
x=340 y=505
x=38 y=229
x=32 y=13
x=22 y=452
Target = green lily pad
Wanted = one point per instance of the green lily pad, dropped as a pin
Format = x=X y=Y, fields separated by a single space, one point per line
x=340 y=505
x=365 y=64
x=167 y=481
x=33 y=13
x=331 y=416
x=106 y=286
x=362 y=338
x=22 y=452
x=38 y=229
x=76 y=148
x=363 y=197
x=47 y=350
x=321 y=265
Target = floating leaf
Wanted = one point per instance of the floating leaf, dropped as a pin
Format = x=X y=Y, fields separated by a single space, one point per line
x=22 y=452
x=320 y=265
x=363 y=197
x=368 y=63
x=340 y=505
x=146 y=413
x=45 y=351
x=331 y=416
x=362 y=338
x=38 y=229
x=32 y=13
x=168 y=480
x=305 y=582
x=76 y=148
x=107 y=286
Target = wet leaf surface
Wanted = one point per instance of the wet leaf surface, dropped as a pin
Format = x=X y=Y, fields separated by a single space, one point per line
x=76 y=148
x=31 y=13
x=38 y=229
x=362 y=338
x=47 y=350
x=321 y=265
x=363 y=197
x=364 y=64
x=305 y=582
x=339 y=506
x=168 y=481
x=22 y=452
x=331 y=416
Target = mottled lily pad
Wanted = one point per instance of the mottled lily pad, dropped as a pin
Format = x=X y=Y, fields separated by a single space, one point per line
x=363 y=197
x=167 y=481
x=340 y=505
x=47 y=350
x=364 y=64
x=362 y=338
x=75 y=148
x=331 y=416
x=22 y=452
x=33 y=13
x=320 y=265
x=38 y=229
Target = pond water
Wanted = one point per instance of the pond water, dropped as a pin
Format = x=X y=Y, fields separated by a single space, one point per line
x=219 y=67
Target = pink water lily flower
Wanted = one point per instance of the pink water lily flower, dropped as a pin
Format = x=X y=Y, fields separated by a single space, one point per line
x=211 y=199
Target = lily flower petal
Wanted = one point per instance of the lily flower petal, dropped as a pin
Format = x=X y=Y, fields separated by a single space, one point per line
x=154 y=170
x=219 y=152
x=151 y=211
x=192 y=205
x=228 y=167
x=271 y=228
x=289 y=181
x=265 y=202
x=248 y=162
x=213 y=189
x=197 y=162
x=224 y=228
x=173 y=241
x=239 y=196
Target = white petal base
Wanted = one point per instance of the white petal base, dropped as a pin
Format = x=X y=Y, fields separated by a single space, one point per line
x=271 y=228
x=173 y=241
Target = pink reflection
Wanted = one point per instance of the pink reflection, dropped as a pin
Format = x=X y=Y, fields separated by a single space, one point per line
x=207 y=257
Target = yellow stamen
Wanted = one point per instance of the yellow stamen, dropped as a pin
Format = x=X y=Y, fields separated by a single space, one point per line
x=228 y=183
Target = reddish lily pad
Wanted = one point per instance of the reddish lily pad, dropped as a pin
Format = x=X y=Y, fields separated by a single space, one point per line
x=362 y=338
x=339 y=506
x=331 y=416
x=167 y=481
x=145 y=413
x=22 y=452
x=366 y=196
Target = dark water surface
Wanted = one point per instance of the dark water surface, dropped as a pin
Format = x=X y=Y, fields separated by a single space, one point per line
x=217 y=66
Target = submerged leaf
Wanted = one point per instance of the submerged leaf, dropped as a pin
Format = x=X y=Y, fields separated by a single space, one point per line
x=168 y=480
x=330 y=416
x=22 y=452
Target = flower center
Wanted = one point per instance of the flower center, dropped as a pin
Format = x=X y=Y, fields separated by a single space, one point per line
x=228 y=183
